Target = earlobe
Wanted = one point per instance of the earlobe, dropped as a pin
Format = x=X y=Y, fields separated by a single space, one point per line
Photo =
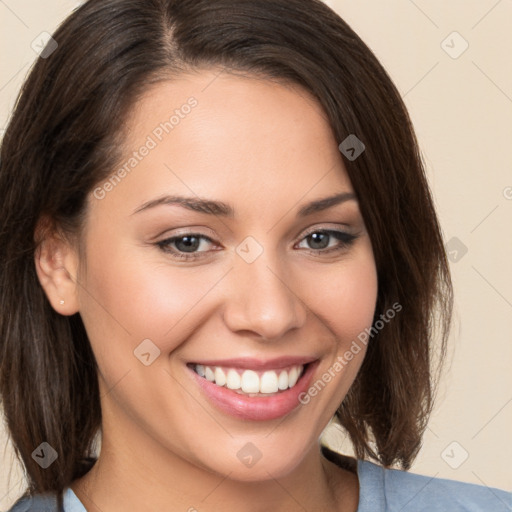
x=55 y=263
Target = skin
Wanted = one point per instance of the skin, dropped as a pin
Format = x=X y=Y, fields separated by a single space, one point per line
x=266 y=149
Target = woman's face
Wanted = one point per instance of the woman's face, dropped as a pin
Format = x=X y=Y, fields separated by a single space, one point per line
x=173 y=296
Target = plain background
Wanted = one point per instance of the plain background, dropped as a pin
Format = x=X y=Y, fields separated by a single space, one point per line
x=460 y=101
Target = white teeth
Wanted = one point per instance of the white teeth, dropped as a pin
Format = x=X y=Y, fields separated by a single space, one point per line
x=268 y=383
x=208 y=373
x=282 y=382
x=249 y=381
x=233 y=380
x=293 y=376
x=220 y=376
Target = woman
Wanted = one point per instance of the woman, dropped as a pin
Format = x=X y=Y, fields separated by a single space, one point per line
x=217 y=236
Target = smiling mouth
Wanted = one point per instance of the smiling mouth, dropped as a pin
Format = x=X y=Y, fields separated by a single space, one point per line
x=251 y=382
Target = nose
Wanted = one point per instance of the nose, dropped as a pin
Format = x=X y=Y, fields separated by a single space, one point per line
x=263 y=298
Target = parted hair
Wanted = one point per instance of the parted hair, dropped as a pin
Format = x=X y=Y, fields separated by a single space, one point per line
x=65 y=135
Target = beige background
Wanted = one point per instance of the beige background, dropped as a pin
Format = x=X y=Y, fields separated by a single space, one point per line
x=462 y=110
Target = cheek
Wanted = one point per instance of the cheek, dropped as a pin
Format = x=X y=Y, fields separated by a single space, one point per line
x=345 y=304
x=344 y=295
x=128 y=298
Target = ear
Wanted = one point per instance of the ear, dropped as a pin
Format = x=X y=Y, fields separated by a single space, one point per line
x=56 y=264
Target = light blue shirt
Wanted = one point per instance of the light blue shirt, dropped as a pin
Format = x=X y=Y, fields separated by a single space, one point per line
x=392 y=490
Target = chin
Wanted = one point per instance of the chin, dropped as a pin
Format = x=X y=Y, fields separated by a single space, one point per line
x=257 y=460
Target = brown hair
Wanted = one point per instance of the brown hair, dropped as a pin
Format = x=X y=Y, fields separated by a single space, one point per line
x=65 y=137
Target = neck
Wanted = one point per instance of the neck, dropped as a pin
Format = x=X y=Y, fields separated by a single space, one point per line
x=134 y=472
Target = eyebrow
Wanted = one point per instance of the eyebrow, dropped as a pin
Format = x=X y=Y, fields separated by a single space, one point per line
x=211 y=207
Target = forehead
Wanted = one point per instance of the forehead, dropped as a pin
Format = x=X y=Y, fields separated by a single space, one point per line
x=218 y=135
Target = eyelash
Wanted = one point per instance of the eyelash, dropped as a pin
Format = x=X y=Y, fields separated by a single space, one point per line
x=345 y=239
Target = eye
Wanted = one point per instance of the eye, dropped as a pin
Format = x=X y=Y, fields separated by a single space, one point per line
x=187 y=245
x=320 y=240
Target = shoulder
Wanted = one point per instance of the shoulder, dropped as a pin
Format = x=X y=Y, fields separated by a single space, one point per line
x=393 y=489
x=36 y=503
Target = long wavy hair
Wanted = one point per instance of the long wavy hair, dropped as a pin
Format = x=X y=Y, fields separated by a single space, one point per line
x=65 y=136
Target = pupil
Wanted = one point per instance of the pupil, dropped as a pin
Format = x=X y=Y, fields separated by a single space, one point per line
x=320 y=240
x=189 y=243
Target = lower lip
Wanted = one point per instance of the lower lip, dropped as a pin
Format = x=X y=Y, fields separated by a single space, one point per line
x=256 y=408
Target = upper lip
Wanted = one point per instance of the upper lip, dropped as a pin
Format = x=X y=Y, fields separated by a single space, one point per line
x=249 y=363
